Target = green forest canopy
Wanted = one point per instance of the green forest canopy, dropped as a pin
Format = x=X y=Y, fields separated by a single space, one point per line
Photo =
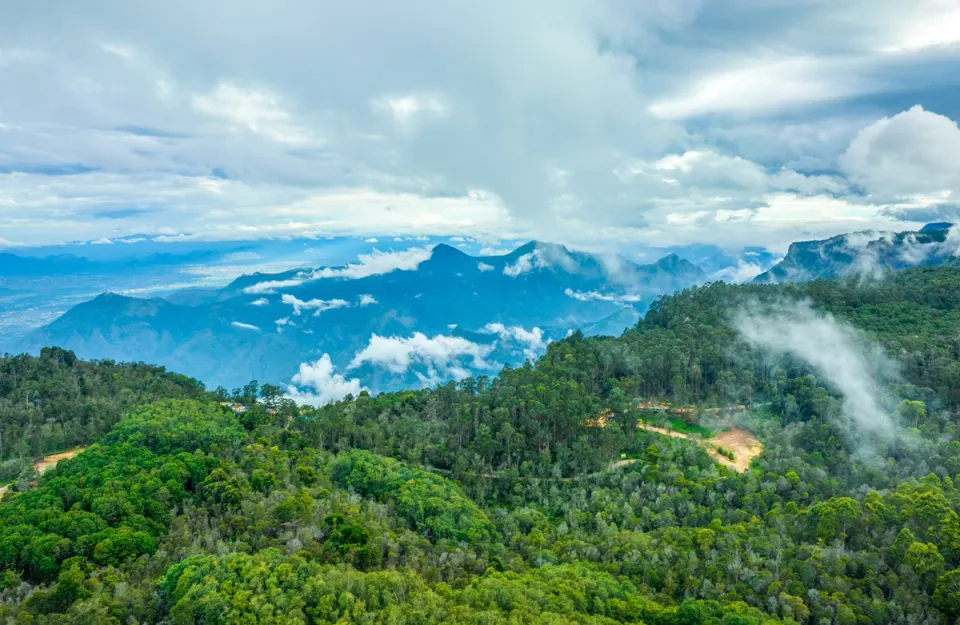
x=383 y=509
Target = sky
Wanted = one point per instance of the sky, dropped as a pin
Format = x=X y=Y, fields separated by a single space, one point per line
x=596 y=123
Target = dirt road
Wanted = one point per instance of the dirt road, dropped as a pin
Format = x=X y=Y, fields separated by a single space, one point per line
x=48 y=462
x=744 y=445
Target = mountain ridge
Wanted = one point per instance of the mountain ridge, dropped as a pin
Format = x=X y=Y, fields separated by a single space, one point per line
x=417 y=301
x=866 y=253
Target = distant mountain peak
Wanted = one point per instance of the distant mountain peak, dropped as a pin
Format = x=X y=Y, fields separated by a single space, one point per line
x=671 y=260
x=937 y=225
x=864 y=253
x=527 y=248
x=443 y=251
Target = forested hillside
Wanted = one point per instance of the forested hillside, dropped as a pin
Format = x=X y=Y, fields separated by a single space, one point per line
x=500 y=500
x=55 y=401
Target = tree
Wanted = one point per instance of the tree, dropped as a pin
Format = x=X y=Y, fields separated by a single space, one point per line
x=947 y=595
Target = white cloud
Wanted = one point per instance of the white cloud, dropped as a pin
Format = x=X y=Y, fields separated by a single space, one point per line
x=854 y=365
x=377 y=263
x=259 y=302
x=257 y=111
x=495 y=123
x=367 y=300
x=405 y=110
x=485 y=267
x=913 y=153
x=318 y=383
x=125 y=52
x=533 y=341
x=244 y=326
x=316 y=305
x=371 y=240
x=587 y=296
x=525 y=264
x=271 y=286
x=798 y=80
x=440 y=354
x=743 y=271
x=936 y=28
x=494 y=251
x=372 y=264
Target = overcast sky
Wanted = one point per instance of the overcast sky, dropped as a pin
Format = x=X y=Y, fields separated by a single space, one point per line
x=589 y=122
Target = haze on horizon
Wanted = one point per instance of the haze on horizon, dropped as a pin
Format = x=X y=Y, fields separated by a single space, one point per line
x=593 y=123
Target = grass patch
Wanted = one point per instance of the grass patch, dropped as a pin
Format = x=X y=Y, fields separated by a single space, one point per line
x=679 y=425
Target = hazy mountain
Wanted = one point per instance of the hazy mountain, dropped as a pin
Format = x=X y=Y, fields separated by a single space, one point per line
x=417 y=315
x=729 y=265
x=868 y=253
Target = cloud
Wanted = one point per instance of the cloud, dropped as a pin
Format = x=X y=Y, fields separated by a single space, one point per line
x=913 y=153
x=525 y=264
x=844 y=357
x=371 y=240
x=377 y=263
x=318 y=384
x=367 y=300
x=532 y=339
x=494 y=251
x=256 y=111
x=743 y=271
x=485 y=267
x=244 y=326
x=588 y=296
x=316 y=305
x=262 y=301
x=935 y=29
x=271 y=286
x=495 y=123
x=373 y=264
x=799 y=80
x=406 y=110
x=441 y=354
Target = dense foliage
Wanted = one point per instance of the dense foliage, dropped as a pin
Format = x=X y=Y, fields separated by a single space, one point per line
x=499 y=501
x=55 y=401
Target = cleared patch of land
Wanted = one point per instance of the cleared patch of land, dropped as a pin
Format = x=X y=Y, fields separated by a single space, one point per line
x=744 y=445
x=48 y=462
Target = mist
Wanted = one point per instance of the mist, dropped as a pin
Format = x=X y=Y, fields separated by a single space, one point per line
x=853 y=364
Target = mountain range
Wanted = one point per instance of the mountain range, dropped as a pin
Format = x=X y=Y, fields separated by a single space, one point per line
x=392 y=319
x=423 y=315
x=868 y=253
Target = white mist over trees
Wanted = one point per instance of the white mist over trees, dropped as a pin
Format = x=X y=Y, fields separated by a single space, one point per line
x=842 y=355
